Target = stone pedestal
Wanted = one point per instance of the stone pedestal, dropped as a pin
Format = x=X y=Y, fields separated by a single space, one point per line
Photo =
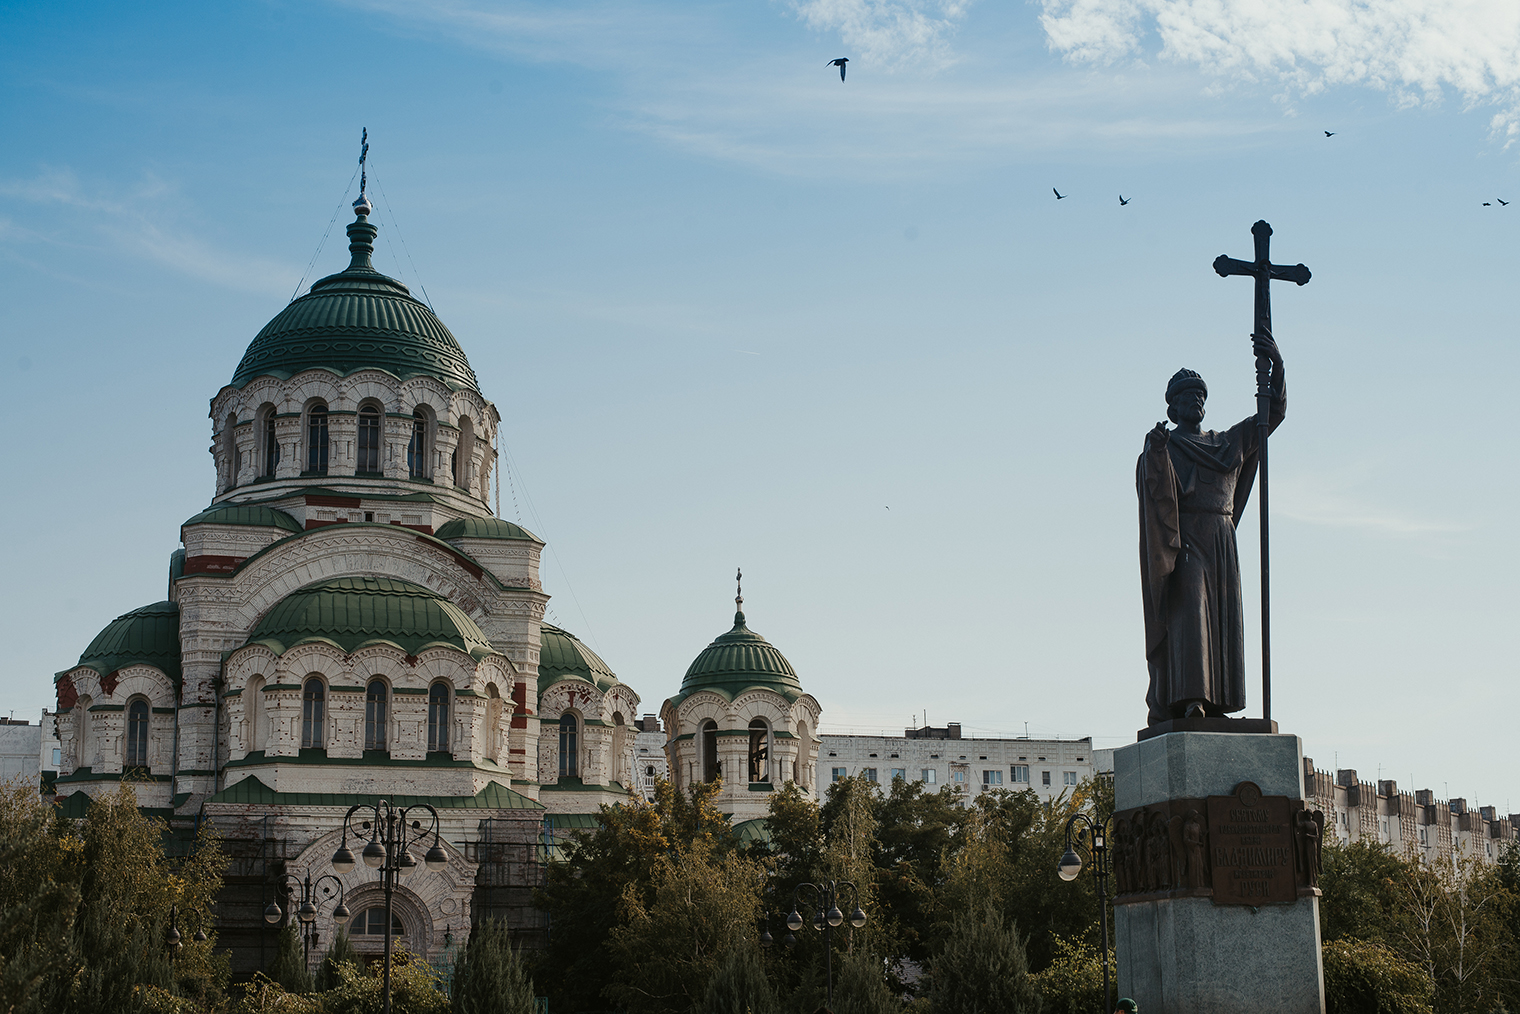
x=1179 y=950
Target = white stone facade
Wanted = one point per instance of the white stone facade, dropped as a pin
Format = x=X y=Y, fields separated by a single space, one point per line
x=939 y=757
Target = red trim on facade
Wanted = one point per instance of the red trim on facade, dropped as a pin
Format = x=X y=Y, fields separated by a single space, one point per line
x=464 y=561
x=331 y=501
x=207 y=564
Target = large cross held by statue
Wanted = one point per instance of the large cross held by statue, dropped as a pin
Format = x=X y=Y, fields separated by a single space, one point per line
x=1264 y=271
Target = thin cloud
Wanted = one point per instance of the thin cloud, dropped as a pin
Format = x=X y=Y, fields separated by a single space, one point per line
x=133 y=222
x=889 y=33
x=1417 y=50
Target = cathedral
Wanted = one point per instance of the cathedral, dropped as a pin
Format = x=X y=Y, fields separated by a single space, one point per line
x=348 y=621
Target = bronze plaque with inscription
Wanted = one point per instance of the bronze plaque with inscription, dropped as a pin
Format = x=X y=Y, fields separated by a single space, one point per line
x=1251 y=845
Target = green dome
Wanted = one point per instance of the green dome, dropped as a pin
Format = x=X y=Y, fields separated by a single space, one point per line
x=357 y=319
x=739 y=660
x=562 y=656
x=484 y=528
x=145 y=636
x=354 y=611
x=242 y=514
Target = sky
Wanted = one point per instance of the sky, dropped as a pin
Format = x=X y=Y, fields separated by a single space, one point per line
x=736 y=312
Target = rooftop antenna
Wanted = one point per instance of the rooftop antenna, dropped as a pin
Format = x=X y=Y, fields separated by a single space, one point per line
x=361 y=203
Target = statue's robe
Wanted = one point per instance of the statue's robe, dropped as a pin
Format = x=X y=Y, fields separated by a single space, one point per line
x=1192 y=491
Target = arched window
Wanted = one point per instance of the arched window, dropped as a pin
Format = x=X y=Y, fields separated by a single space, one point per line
x=369 y=440
x=759 y=751
x=137 y=734
x=374 y=715
x=416 y=448
x=271 y=443
x=493 y=723
x=231 y=458
x=569 y=750
x=83 y=733
x=316 y=439
x=712 y=768
x=371 y=923
x=313 y=706
x=253 y=707
x=438 y=718
x=464 y=452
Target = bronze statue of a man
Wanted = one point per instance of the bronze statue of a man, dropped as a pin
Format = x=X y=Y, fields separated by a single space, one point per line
x=1193 y=485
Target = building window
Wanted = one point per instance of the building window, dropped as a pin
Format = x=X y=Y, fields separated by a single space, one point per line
x=57 y=757
x=313 y=705
x=759 y=751
x=137 y=735
x=958 y=776
x=869 y=774
x=369 y=440
x=569 y=752
x=371 y=923
x=316 y=439
x=929 y=776
x=899 y=773
x=1422 y=837
x=838 y=774
x=1044 y=777
x=230 y=451
x=712 y=768
x=1021 y=773
x=438 y=718
x=271 y=445
x=416 y=448
x=463 y=452
x=993 y=777
x=1068 y=778
x=374 y=715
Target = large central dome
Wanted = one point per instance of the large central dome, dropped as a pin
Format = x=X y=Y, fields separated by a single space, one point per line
x=357 y=319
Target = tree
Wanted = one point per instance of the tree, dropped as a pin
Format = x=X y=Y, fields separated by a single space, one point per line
x=341 y=951
x=1073 y=982
x=489 y=977
x=981 y=968
x=860 y=986
x=739 y=984
x=1363 y=892
x=1366 y=977
x=288 y=966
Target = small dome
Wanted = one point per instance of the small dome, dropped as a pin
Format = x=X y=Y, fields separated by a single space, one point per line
x=243 y=514
x=357 y=319
x=484 y=528
x=145 y=636
x=562 y=656
x=739 y=660
x=351 y=612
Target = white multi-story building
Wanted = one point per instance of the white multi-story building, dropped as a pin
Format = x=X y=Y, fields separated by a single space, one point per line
x=941 y=756
x=649 y=760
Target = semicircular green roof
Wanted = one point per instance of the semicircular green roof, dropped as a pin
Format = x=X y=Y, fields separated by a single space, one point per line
x=484 y=528
x=740 y=660
x=354 y=320
x=562 y=656
x=148 y=635
x=351 y=612
x=245 y=514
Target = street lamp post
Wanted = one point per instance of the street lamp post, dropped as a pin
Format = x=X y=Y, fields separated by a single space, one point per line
x=313 y=894
x=173 y=941
x=1102 y=865
x=825 y=899
x=390 y=834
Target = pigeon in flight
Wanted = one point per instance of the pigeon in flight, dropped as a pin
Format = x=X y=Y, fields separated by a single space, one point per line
x=1502 y=201
x=1329 y=133
x=1059 y=196
x=840 y=64
x=1488 y=204
x=1122 y=201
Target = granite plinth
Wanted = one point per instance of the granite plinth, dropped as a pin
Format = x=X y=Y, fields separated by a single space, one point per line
x=1189 y=955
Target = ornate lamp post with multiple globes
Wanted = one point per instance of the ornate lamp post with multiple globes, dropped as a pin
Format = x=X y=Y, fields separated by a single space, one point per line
x=827 y=917
x=390 y=834
x=1102 y=865
x=313 y=894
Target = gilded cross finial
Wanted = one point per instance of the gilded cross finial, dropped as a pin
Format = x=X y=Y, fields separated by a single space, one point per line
x=739 y=581
x=362 y=205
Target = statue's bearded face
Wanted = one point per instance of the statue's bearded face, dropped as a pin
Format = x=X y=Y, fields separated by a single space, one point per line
x=1187 y=406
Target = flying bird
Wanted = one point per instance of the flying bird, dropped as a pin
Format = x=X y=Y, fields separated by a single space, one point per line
x=1329 y=133
x=840 y=64
x=1122 y=201
x=1059 y=196
x=1502 y=201
x=1487 y=204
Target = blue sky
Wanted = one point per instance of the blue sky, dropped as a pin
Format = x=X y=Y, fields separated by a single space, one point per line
x=734 y=311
